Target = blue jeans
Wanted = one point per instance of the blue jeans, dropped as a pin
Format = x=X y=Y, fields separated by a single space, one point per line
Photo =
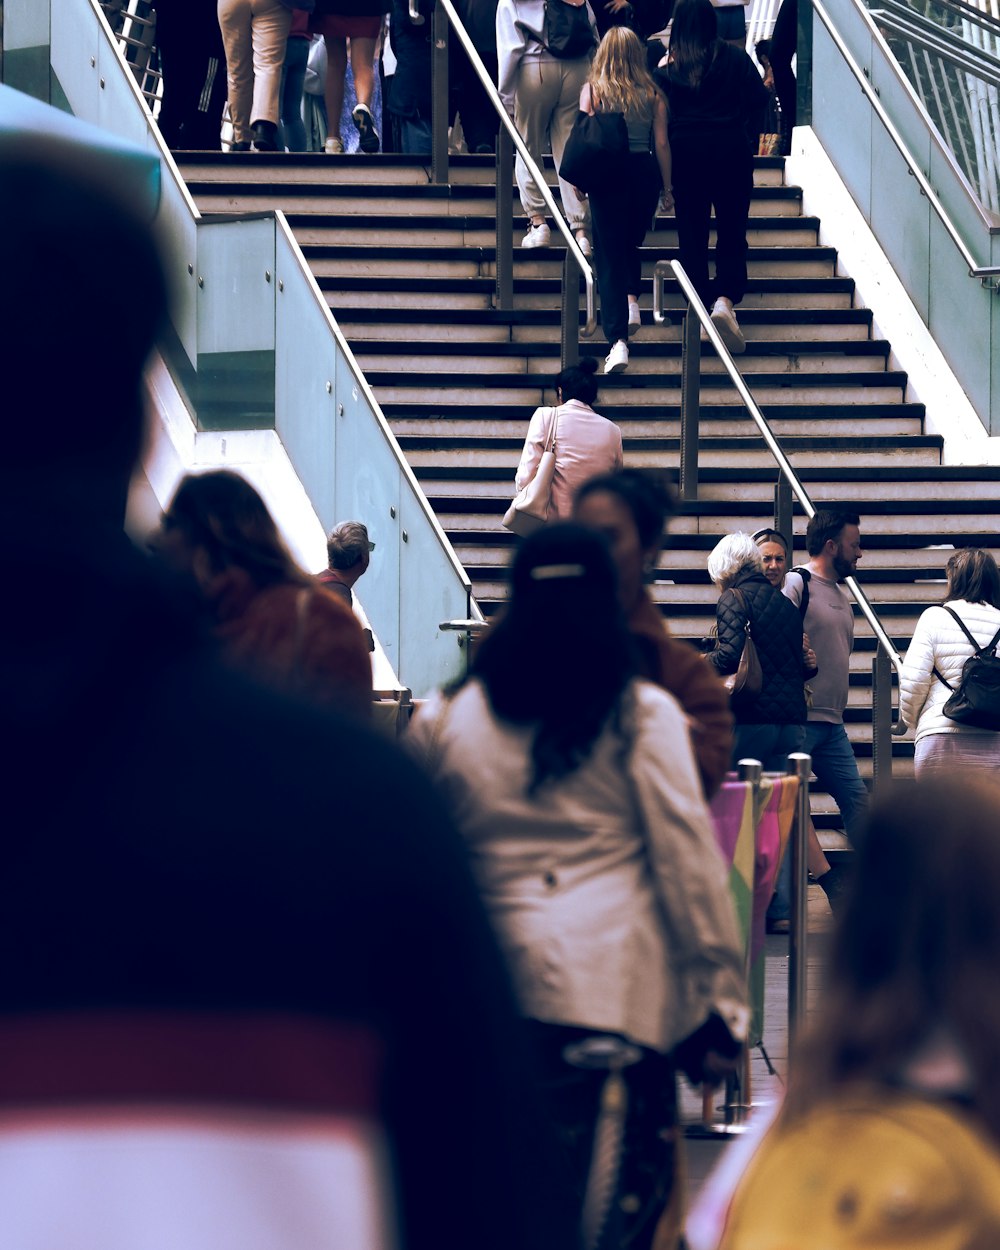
x=293 y=77
x=415 y=135
x=771 y=744
x=836 y=770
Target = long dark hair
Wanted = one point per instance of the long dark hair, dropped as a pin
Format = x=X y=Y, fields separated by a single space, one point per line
x=917 y=946
x=973 y=576
x=223 y=514
x=561 y=655
x=692 y=40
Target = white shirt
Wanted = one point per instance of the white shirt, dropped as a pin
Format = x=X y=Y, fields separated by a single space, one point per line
x=607 y=888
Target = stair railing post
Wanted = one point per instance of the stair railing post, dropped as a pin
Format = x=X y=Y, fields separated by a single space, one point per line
x=569 y=317
x=881 y=720
x=505 y=221
x=439 y=96
x=783 y=512
x=690 y=405
x=799 y=765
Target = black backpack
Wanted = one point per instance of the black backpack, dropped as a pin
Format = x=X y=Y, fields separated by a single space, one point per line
x=568 y=33
x=975 y=701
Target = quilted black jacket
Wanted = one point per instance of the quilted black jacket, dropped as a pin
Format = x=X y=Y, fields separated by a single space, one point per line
x=776 y=628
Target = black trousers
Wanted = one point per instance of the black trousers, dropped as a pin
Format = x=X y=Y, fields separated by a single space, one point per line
x=783 y=44
x=712 y=171
x=571 y=1096
x=620 y=215
x=193 y=61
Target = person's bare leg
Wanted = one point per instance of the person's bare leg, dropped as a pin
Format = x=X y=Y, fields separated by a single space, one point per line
x=363 y=68
x=336 y=68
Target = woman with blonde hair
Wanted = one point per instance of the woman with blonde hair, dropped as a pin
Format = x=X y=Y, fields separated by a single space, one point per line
x=933 y=667
x=622 y=209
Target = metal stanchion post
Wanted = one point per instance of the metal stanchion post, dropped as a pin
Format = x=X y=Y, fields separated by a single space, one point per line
x=738 y=1086
x=800 y=765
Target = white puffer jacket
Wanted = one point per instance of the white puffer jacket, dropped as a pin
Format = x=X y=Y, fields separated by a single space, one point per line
x=939 y=643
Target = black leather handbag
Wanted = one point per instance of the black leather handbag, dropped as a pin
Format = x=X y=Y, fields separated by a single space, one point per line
x=595 y=151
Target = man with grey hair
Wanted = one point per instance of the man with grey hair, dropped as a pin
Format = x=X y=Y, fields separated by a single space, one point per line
x=348 y=550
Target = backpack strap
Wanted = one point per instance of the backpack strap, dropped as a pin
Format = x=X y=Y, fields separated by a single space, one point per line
x=977 y=650
x=805 y=574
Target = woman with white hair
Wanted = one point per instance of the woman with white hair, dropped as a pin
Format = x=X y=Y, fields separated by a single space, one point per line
x=770 y=724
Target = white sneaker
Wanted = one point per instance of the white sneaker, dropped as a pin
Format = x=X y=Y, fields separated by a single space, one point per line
x=634 y=317
x=724 y=320
x=537 y=236
x=584 y=243
x=334 y=146
x=616 y=359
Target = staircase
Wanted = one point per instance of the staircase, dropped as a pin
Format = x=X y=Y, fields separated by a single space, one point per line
x=408 y=269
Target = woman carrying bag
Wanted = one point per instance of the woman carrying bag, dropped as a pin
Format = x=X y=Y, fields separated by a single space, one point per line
x=622 y=207
x=587 y=443
x=579 y=799
x=934 y=662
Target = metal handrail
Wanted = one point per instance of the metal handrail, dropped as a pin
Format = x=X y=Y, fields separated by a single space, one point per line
x=971 y=14
x=536 y=174
x=983 y=272
x=701 y=312
x=945 y=44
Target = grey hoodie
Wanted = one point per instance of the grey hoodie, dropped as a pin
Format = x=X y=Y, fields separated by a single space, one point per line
x=521 y=32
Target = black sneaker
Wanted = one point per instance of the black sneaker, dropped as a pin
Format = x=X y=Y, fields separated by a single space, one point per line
x=265 y=136
x=367 y=134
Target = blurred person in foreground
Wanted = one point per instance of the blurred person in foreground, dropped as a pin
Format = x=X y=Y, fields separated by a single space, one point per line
x=576 y=788
x=890 y=1132
x=227 y=1002
x=631 y=509
x=271 y=619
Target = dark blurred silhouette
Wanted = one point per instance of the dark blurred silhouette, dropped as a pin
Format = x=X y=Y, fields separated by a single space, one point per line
x=631 y=509
x=226 y=961
x=890 y=1133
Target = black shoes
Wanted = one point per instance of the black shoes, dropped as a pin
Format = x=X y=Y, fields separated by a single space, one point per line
x=265 y=136
x=242 y=146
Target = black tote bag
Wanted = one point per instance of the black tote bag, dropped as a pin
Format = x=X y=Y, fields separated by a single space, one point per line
x=596 y=150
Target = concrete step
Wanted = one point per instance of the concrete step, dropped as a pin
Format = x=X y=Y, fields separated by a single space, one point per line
x=352 y=260
x=498 y=457
x=405 y=199
x=294 y=168
x=541 y=295
x=767 y=388
x=641 y=423
x=410 y=326
x=479 y=230
x=648 y=358
x=952 y=495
